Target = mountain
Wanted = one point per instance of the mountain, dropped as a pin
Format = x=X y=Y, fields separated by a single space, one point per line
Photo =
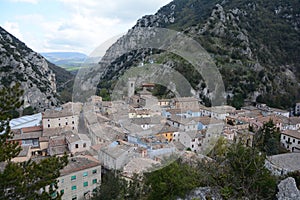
x=60 y=56
x=255 y=45
x=41 y=80
x=70 y=61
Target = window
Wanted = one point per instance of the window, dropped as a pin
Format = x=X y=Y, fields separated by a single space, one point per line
x=74 y=187
x=72 y=122
x=94 y=171
x=59 y=124
x=73 y=178
x=62 y=180
x=94 y=181
x=84 y=145
x=85 y=174
x=66 y=123
x=284 y=137
x=294 y=141
x=48 y=125
x=76 y=146
x=298 y=141
x=85 y=184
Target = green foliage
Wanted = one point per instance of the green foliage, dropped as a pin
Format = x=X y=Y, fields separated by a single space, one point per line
x=237 y=172
x=23 y=180
x=220 y=149
x=28 y=111
x=114 y=186
x=237 y=101
x=10 y=100
x=246 y=176
x=172 y=181
x=267 y=139
x=162 y=92
x=64 y=82
x=104 y=94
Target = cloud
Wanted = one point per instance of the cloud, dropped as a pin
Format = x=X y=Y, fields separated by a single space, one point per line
x=93 y=22
x=128 y=10
x=75 y=25
x=80 y=33
x=26 y=1
x=13 y=28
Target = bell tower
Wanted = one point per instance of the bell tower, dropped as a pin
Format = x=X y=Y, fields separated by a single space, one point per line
x=131 y=87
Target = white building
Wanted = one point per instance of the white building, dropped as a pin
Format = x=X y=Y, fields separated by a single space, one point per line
x=221 y=112
x=67 y=117
x=26 y=121
x=290 y=139
x=79 y=178
x=191 y=140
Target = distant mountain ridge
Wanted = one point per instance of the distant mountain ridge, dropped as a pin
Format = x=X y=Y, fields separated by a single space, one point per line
x=71 y=61
x=57 y=57
x=40 y=79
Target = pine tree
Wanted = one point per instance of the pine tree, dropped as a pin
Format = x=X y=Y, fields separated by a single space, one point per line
x=267 y=139
x=28 y=180
x=10 y=100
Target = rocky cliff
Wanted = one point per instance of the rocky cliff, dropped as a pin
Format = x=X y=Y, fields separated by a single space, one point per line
x=37 y=76
x=254 y=44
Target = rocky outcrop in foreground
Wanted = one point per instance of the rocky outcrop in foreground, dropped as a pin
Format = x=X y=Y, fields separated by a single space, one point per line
x=288 y=190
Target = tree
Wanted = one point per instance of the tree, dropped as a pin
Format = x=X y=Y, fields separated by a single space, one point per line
x=172 y=181
x=104 y=94
x=28 y=180
x=220 y=149
x=114 y=186
x=10 y=100
x=267 y=139
x=245 y=174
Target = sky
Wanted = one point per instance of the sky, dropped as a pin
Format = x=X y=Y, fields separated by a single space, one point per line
x=72 y=25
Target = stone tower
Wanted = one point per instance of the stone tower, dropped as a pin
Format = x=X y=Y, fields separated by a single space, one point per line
x=131 y=87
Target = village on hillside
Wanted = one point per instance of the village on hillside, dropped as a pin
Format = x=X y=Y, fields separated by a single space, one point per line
x=140 y=132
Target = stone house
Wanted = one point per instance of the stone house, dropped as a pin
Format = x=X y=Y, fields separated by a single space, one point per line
x=186 y=103
x=67 y=117
x=115 y=156
x=191 y=139
x=33 y=137
x=77 y=142
x=183 y=124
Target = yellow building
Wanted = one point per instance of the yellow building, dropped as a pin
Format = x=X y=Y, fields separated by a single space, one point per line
x=167 y=133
